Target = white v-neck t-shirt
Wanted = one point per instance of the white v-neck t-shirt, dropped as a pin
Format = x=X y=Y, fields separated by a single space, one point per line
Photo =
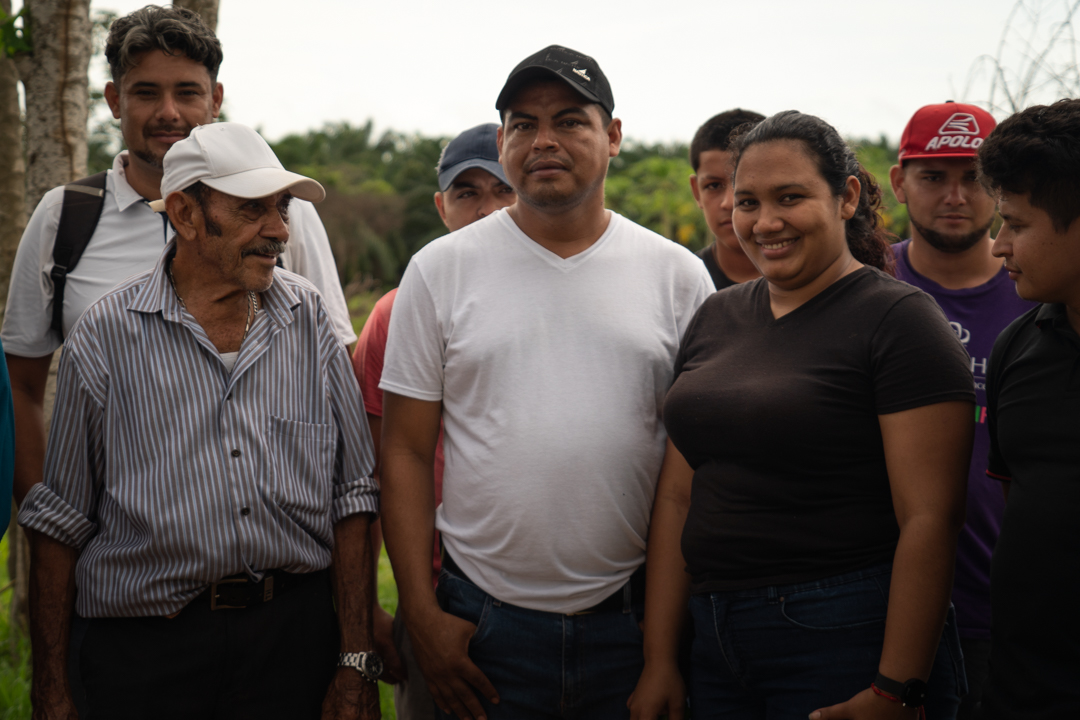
x=552 y=373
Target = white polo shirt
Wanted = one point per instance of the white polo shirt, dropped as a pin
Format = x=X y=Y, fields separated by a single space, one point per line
x=128 y=240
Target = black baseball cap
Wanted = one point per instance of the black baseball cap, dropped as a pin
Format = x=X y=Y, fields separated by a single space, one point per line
x=476 y=147
x=580 y=71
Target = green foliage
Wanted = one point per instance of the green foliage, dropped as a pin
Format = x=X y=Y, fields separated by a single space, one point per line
x=14 y=39
x=388 y=599
x=877 y=157
x=651 y=186
x=14 y=654
x=379 y=209
x=104 y=139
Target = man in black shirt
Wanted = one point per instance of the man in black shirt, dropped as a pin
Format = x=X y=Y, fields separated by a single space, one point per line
x=1032 y=163
x=711 y=157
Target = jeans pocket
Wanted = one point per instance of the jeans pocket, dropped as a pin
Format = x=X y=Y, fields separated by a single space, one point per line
x=462 y=599
x=858 y=603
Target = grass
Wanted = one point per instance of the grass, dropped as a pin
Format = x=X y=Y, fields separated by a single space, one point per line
x=14 y=668
x=15 y=671
x=388 y=600
x=362 y=299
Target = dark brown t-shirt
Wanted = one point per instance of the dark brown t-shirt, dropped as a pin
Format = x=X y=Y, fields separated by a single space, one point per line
x=720 y=280
x=778 y=418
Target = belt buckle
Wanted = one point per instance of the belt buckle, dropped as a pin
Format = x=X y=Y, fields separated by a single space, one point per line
x=214 y=605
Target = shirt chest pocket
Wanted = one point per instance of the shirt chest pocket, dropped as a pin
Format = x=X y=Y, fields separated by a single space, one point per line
x=302 y=458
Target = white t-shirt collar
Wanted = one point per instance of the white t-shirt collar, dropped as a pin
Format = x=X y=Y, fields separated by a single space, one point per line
x=124 y=193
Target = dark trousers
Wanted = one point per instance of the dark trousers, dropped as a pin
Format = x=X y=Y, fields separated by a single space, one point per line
x=268 y=661
x=977 y=665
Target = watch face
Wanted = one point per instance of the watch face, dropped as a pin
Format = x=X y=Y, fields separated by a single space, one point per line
x=914 y=694
x=372 y=665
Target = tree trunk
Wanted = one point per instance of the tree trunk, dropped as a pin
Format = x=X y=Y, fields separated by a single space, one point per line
x=207 y=10
x=12 y=222
x=12 y=168
x=54 y=76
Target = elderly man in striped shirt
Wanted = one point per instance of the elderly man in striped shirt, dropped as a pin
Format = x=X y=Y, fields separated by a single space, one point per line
x=207 y=488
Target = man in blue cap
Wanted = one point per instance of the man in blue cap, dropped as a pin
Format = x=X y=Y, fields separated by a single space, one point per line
x=471 y=180
x=471 y=186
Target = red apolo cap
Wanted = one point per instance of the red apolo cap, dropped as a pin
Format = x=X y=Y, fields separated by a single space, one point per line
x=946 y=130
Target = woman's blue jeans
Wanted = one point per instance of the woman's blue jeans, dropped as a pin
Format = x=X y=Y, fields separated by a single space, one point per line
x=782 y=652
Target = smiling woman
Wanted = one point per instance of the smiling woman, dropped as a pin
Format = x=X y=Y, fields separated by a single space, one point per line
x=814 y=484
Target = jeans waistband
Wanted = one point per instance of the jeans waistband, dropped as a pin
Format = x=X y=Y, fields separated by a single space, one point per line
x=774 y=591
x=622 y=600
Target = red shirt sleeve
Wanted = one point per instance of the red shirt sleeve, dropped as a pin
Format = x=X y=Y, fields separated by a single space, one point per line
x=368 y=365
x=370 y=351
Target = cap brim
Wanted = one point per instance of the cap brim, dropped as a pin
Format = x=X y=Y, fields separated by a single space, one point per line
x=261 y=182
x=514 y=83
x=931 y=156
x=447 y=177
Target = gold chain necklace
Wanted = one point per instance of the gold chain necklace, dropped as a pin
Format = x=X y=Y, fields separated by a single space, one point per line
x=253 y=302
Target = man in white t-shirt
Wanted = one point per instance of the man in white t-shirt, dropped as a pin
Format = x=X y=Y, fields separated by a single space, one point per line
x=164 y=64
x=544 y=337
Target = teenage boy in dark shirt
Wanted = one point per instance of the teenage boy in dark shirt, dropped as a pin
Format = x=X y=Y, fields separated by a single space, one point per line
x=711 y=158
x=1032 y=163
x=949 y=256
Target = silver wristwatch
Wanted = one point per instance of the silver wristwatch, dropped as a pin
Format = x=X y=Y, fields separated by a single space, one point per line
x=367 y=664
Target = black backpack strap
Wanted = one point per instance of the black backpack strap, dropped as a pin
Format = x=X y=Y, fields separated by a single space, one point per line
x=83 y=201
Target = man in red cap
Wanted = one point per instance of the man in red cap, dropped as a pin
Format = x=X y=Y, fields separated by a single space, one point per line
x=949 y=257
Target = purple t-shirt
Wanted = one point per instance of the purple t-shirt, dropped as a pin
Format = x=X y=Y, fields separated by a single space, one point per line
x=977 y=315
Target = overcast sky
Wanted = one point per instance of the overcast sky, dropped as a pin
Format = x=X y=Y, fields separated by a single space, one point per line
x=437 y=67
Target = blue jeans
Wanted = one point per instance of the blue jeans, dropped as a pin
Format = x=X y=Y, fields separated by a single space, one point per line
x=548 y=665
x=782 y=652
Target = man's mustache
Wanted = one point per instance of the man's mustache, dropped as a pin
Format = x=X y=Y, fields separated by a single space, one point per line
x=270 y=247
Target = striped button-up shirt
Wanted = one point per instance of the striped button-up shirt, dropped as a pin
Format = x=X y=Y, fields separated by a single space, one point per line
x=169 y=472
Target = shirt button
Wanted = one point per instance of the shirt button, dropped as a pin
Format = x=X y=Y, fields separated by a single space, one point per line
x=245 y=511
x=236 y=453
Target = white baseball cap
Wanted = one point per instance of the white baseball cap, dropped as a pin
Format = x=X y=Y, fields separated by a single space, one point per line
x=233 y=159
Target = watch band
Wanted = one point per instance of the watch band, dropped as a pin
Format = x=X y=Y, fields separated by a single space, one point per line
x=911 y=694
x=367 y=664
x=893 y=687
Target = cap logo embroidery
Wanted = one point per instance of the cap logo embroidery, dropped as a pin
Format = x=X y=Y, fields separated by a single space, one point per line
x=960 y=124
x=579 y=71
x=960 y=132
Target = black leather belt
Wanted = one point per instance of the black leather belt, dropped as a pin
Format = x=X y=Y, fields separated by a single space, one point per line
x=240 y=591
x=615 y=602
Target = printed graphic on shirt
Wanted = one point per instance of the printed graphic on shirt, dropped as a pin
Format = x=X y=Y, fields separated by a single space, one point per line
x=978 y=365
